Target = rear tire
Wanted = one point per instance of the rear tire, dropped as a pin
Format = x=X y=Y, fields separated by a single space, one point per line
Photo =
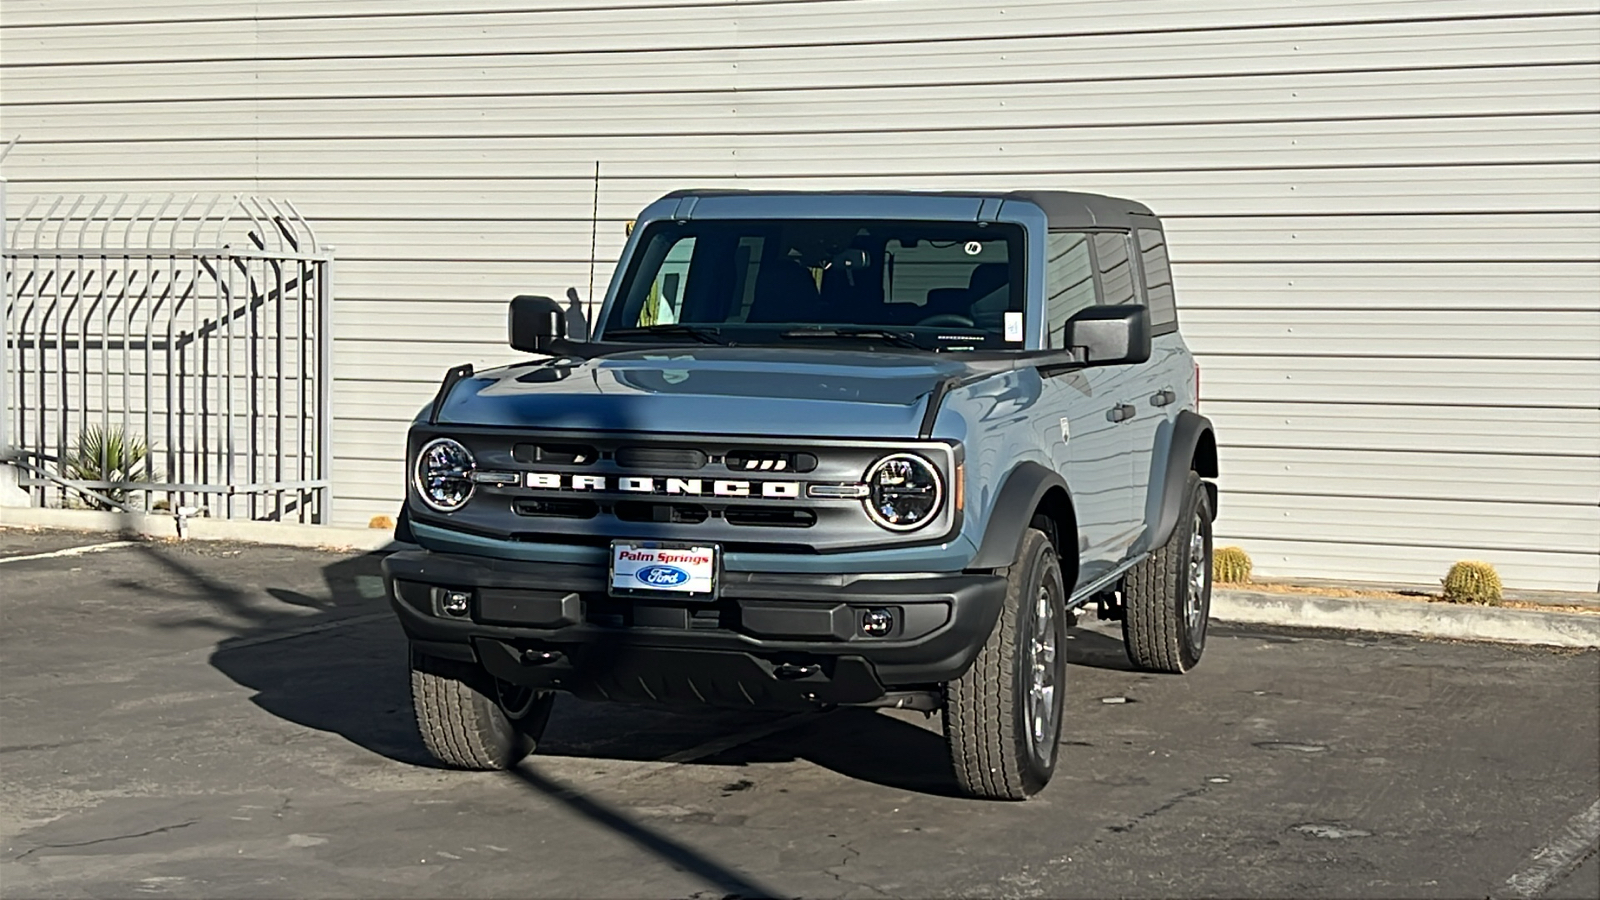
x=1002 y=719
x=1167 y=598
x=470 y=720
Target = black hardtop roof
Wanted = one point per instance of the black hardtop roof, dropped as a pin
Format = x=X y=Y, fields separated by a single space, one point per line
x=1064 y=209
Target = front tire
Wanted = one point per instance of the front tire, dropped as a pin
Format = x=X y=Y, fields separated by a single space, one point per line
x=470 y=720
x=1167 y=598
x=1002 y=719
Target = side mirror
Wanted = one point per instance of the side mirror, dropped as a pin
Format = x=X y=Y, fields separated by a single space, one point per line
x=536 y=323
x=1109 y=335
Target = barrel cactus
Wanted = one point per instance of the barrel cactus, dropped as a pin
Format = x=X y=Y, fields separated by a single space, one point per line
x=1472 y=582
x=1230 y=565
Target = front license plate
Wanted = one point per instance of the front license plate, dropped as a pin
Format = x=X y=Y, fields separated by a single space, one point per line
x=659 y=567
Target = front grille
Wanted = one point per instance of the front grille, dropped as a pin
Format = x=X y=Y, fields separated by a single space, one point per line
x=770 y=517
x=557 y=508
x=745 y=494
x=594 y=540
x=675 y=458
x=744 y=460
x=676 y=513
x=554 y=454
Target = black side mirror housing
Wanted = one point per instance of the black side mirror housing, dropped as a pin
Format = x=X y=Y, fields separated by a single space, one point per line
x=1109 y=335
x=536 y=324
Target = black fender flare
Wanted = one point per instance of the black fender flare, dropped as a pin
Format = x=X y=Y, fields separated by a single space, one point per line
x=1193 y=441
x=1012 y=514
x=402 y=525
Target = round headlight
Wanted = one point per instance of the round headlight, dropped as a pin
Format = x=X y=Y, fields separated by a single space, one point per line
x=905 y=492
x=444 y=474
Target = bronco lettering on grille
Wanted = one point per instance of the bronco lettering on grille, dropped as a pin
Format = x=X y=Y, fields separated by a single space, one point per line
x=684 y=487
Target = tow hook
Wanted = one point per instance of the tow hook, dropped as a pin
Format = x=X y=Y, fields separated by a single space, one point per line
x=792 y=672
x=539 y=657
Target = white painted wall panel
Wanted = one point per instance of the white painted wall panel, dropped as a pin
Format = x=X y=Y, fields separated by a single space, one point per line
x=1502 y=90
x=569 y=27
x=1442 y=471
x=1514 y=430
x=1384 y=216
x=1478 y=141
x=1464 y=286
x=1473 y=334
x=560 y=188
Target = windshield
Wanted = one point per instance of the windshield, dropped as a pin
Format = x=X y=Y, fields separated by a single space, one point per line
x=928 y=285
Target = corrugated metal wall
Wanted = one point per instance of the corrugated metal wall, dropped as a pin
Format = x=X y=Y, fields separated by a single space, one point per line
x=1384 y=216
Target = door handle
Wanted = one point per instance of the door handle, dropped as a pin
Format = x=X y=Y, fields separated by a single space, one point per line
x=1121 y=412
x=1163 y=397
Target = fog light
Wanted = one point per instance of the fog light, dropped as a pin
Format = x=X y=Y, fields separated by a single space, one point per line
x=877 y=622
x=455 y=603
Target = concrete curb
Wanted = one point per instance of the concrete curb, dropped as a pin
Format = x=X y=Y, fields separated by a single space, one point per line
x=202 y=529
x=1414 y=617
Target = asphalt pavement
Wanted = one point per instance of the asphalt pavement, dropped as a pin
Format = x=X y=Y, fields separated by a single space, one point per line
x=233 y=721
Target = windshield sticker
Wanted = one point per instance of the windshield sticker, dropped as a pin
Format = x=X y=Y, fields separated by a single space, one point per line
x=973 y=248
x=1013 y=322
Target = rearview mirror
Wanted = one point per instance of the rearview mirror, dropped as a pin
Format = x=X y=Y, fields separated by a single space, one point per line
x=1109 y=335
x=536 y=323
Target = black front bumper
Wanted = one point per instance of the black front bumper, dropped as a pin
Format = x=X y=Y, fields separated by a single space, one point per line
x=773 y=640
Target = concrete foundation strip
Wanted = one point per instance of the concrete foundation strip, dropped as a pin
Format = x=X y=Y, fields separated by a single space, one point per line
x=1413 y=617
x=154 y=525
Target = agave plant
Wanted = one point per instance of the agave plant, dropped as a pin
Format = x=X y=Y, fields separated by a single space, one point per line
x=108 y=454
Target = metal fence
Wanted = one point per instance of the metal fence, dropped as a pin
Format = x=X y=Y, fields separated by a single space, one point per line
x=168 y=354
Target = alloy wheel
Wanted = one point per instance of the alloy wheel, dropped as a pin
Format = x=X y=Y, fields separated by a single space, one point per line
x=1042 y=681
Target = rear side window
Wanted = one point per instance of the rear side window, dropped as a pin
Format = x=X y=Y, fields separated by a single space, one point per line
x=1068 y=280
x=1116 y=269
x=1157 y=280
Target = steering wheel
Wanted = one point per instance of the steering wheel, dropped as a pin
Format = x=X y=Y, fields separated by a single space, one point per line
x=956 y=319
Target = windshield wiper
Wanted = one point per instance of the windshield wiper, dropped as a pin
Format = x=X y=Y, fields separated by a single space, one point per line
x=899 y=339
x=701 y=333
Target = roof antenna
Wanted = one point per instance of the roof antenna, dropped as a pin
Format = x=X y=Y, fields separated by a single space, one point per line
x=594 y=228
x=576 y=320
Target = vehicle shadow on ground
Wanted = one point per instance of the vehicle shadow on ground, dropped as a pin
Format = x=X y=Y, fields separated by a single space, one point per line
x=344 y=670
x=1096 y=651
x=335 y=660
x=340 y=668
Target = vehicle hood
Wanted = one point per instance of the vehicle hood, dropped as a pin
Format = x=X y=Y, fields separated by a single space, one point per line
x=711 y=390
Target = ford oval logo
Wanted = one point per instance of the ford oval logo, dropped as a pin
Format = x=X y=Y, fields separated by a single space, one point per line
x=662 y=576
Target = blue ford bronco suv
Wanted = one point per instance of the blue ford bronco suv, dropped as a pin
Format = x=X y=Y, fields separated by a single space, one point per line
x=818 y=449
